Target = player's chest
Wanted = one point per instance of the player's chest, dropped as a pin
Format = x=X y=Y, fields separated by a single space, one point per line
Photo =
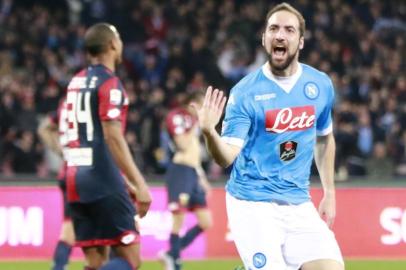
x=280 y=111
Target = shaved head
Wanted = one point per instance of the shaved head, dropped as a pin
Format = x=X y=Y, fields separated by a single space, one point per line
x=98 y=37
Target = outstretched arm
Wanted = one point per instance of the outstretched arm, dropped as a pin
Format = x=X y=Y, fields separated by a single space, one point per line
x=209 y=115
x=324 y=157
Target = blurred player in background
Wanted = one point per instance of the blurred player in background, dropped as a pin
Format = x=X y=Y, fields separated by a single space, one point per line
x=101 y=174
x=277 y=118
x=52 y=132
x=186 y=180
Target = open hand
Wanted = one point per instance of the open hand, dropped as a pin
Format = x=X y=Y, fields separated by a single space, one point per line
x=210 y=112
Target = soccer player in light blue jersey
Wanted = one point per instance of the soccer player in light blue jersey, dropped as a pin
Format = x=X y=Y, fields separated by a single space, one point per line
x=277 y=118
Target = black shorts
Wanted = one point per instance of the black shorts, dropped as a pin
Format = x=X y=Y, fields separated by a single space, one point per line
x=66 y=208
x=105 y=222
x=184 y=190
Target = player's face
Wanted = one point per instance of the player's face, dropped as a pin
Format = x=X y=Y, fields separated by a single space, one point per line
x=118 y=45
x=119 y=50
x=282 y=40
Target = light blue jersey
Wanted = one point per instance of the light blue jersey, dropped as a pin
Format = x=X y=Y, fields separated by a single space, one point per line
x=276 y=121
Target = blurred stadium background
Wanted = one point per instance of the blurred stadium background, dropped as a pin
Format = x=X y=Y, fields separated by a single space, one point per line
x=177 y=46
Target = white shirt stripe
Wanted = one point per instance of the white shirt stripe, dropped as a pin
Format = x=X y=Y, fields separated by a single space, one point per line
x=233 y=141
x=325 y=131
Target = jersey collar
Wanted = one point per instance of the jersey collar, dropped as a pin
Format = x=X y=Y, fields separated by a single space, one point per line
x=286 y=83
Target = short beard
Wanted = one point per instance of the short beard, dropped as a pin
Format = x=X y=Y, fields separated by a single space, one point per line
x=286 y=64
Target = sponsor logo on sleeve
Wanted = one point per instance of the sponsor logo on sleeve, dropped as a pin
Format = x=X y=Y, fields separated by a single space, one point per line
x=115 y=97
x=128 y=239
x=113 y=113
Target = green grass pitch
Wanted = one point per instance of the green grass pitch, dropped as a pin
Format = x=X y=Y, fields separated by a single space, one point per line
x=210 y=265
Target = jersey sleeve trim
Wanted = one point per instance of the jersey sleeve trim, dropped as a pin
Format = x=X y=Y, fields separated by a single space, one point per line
x=325 y=131
x=233 y=141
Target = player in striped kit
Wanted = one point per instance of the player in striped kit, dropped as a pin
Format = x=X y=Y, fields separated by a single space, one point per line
x=185 y=179
x=101 y=174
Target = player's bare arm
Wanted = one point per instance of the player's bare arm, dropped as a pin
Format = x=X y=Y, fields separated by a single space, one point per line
x=324 y=157
x=122 y=156
x=209 y=115
x=48 y=132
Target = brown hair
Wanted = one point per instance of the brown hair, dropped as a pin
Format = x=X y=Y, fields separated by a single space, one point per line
x=194 y=96
x=287 y=7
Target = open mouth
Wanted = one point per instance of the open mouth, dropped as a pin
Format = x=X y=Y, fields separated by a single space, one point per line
x=279 y=51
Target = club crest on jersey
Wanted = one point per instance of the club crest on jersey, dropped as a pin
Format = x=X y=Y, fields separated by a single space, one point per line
x=259 y=260
x=311 y=90
x=287 y=150
x=289 y=119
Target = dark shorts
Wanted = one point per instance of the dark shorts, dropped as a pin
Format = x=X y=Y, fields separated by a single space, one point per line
x=66 y=208
x=184 y=190
x=105 y=222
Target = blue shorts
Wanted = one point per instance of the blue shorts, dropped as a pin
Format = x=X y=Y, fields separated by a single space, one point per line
x=105 y=222
x=66 y=208
x=184 y=190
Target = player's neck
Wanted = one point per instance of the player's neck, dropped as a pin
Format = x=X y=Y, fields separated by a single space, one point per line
x=287 y=72
x=105 y=61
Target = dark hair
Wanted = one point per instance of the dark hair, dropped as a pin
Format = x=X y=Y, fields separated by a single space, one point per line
x=285 y=6
x=97 y=38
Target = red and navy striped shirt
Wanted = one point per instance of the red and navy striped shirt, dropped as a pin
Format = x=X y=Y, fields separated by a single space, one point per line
x=94 y=95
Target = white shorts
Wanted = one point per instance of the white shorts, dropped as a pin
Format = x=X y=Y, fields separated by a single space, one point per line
x=269 y=236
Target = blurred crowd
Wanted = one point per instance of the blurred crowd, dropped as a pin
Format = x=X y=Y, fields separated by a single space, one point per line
x=178 y=46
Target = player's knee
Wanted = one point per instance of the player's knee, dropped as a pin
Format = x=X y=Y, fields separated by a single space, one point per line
x=68 y=238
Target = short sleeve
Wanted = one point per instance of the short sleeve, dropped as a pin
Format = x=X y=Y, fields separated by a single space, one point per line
x=111 y=100
x=324 y=121
x=237 y=121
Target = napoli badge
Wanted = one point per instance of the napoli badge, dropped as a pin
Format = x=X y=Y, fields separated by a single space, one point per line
x=259 y=260
x=311 y=90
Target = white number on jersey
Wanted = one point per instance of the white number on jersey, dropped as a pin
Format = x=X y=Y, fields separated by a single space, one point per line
x=79 y=114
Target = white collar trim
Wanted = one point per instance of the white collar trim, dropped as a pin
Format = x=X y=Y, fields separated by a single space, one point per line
x=286 y=83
